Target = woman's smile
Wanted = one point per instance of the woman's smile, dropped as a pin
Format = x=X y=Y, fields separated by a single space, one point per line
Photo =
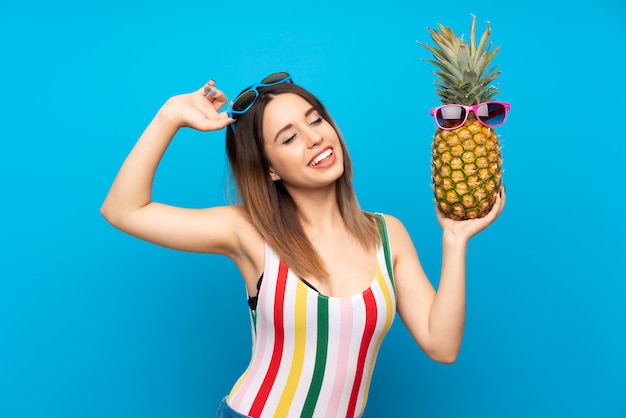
x=323 y=159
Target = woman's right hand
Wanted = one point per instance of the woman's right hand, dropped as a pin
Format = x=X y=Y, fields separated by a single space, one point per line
x=198 y=110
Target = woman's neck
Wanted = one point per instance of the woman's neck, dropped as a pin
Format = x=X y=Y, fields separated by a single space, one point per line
x=318 y=209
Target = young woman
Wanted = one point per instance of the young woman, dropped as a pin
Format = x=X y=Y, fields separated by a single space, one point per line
x=324 y=278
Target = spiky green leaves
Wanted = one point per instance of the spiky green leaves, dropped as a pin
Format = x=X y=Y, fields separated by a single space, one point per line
x=464 y=76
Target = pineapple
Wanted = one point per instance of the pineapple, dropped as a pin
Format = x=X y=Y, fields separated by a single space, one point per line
x=466 y=161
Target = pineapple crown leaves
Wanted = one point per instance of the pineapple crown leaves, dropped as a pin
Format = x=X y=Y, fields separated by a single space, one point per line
x=464 y=76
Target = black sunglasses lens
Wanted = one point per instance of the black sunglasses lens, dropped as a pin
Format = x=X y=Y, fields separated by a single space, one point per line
x=275 y=78
x=248 y=96
x=450 y=117
x=244 y=101
x=491 y=113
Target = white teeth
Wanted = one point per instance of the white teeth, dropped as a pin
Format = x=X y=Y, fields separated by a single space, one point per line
x=320 y=157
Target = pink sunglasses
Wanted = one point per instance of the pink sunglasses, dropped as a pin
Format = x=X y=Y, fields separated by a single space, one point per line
x=452 y=116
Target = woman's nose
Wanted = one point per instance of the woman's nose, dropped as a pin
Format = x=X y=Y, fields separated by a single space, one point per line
x=314 y=138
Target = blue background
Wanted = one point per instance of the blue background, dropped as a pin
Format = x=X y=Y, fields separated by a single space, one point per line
x=95 y=323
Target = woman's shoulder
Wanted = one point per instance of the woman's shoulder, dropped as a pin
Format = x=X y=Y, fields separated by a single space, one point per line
x=396 y=230
x=239 y=217
x=390 y=220
x=230 y=227
x=238 y=211
x=231 y=213
x=248 y=250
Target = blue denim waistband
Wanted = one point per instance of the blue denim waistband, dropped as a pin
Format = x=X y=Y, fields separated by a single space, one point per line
x=225 y=411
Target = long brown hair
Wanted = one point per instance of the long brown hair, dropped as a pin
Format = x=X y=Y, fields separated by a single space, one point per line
x=268 y=202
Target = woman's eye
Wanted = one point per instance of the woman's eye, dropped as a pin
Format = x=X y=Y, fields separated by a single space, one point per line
x=289 y=139
x=316 y=121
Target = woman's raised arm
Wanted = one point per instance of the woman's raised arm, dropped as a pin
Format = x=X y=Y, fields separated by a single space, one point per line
x=129 y=206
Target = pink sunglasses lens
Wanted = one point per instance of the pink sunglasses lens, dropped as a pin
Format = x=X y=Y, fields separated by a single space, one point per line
x=450 y=117
x=492 y=114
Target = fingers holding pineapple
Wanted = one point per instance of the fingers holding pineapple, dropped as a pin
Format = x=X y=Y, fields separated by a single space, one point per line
x=466 y=229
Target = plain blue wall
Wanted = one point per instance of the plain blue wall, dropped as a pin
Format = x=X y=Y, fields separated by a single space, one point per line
x=94 y=323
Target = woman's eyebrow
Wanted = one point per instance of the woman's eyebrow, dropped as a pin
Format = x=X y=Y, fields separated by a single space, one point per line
x=282 y=130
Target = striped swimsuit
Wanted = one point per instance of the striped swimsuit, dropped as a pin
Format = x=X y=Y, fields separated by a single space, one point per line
x=313 y=355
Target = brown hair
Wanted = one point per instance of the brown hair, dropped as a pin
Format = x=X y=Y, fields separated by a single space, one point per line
x=268 y=202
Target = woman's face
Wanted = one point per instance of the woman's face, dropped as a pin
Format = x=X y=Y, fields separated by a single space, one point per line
x=303 y=148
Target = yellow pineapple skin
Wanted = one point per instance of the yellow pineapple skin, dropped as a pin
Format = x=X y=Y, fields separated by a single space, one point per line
x=466 y=170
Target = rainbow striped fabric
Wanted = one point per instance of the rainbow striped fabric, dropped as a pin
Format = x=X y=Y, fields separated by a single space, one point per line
x=313 y=355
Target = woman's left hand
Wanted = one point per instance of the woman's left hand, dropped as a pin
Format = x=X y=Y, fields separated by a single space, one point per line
x=470 y=227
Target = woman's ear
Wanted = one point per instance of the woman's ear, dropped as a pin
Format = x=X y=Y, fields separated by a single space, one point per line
x=273 y=175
